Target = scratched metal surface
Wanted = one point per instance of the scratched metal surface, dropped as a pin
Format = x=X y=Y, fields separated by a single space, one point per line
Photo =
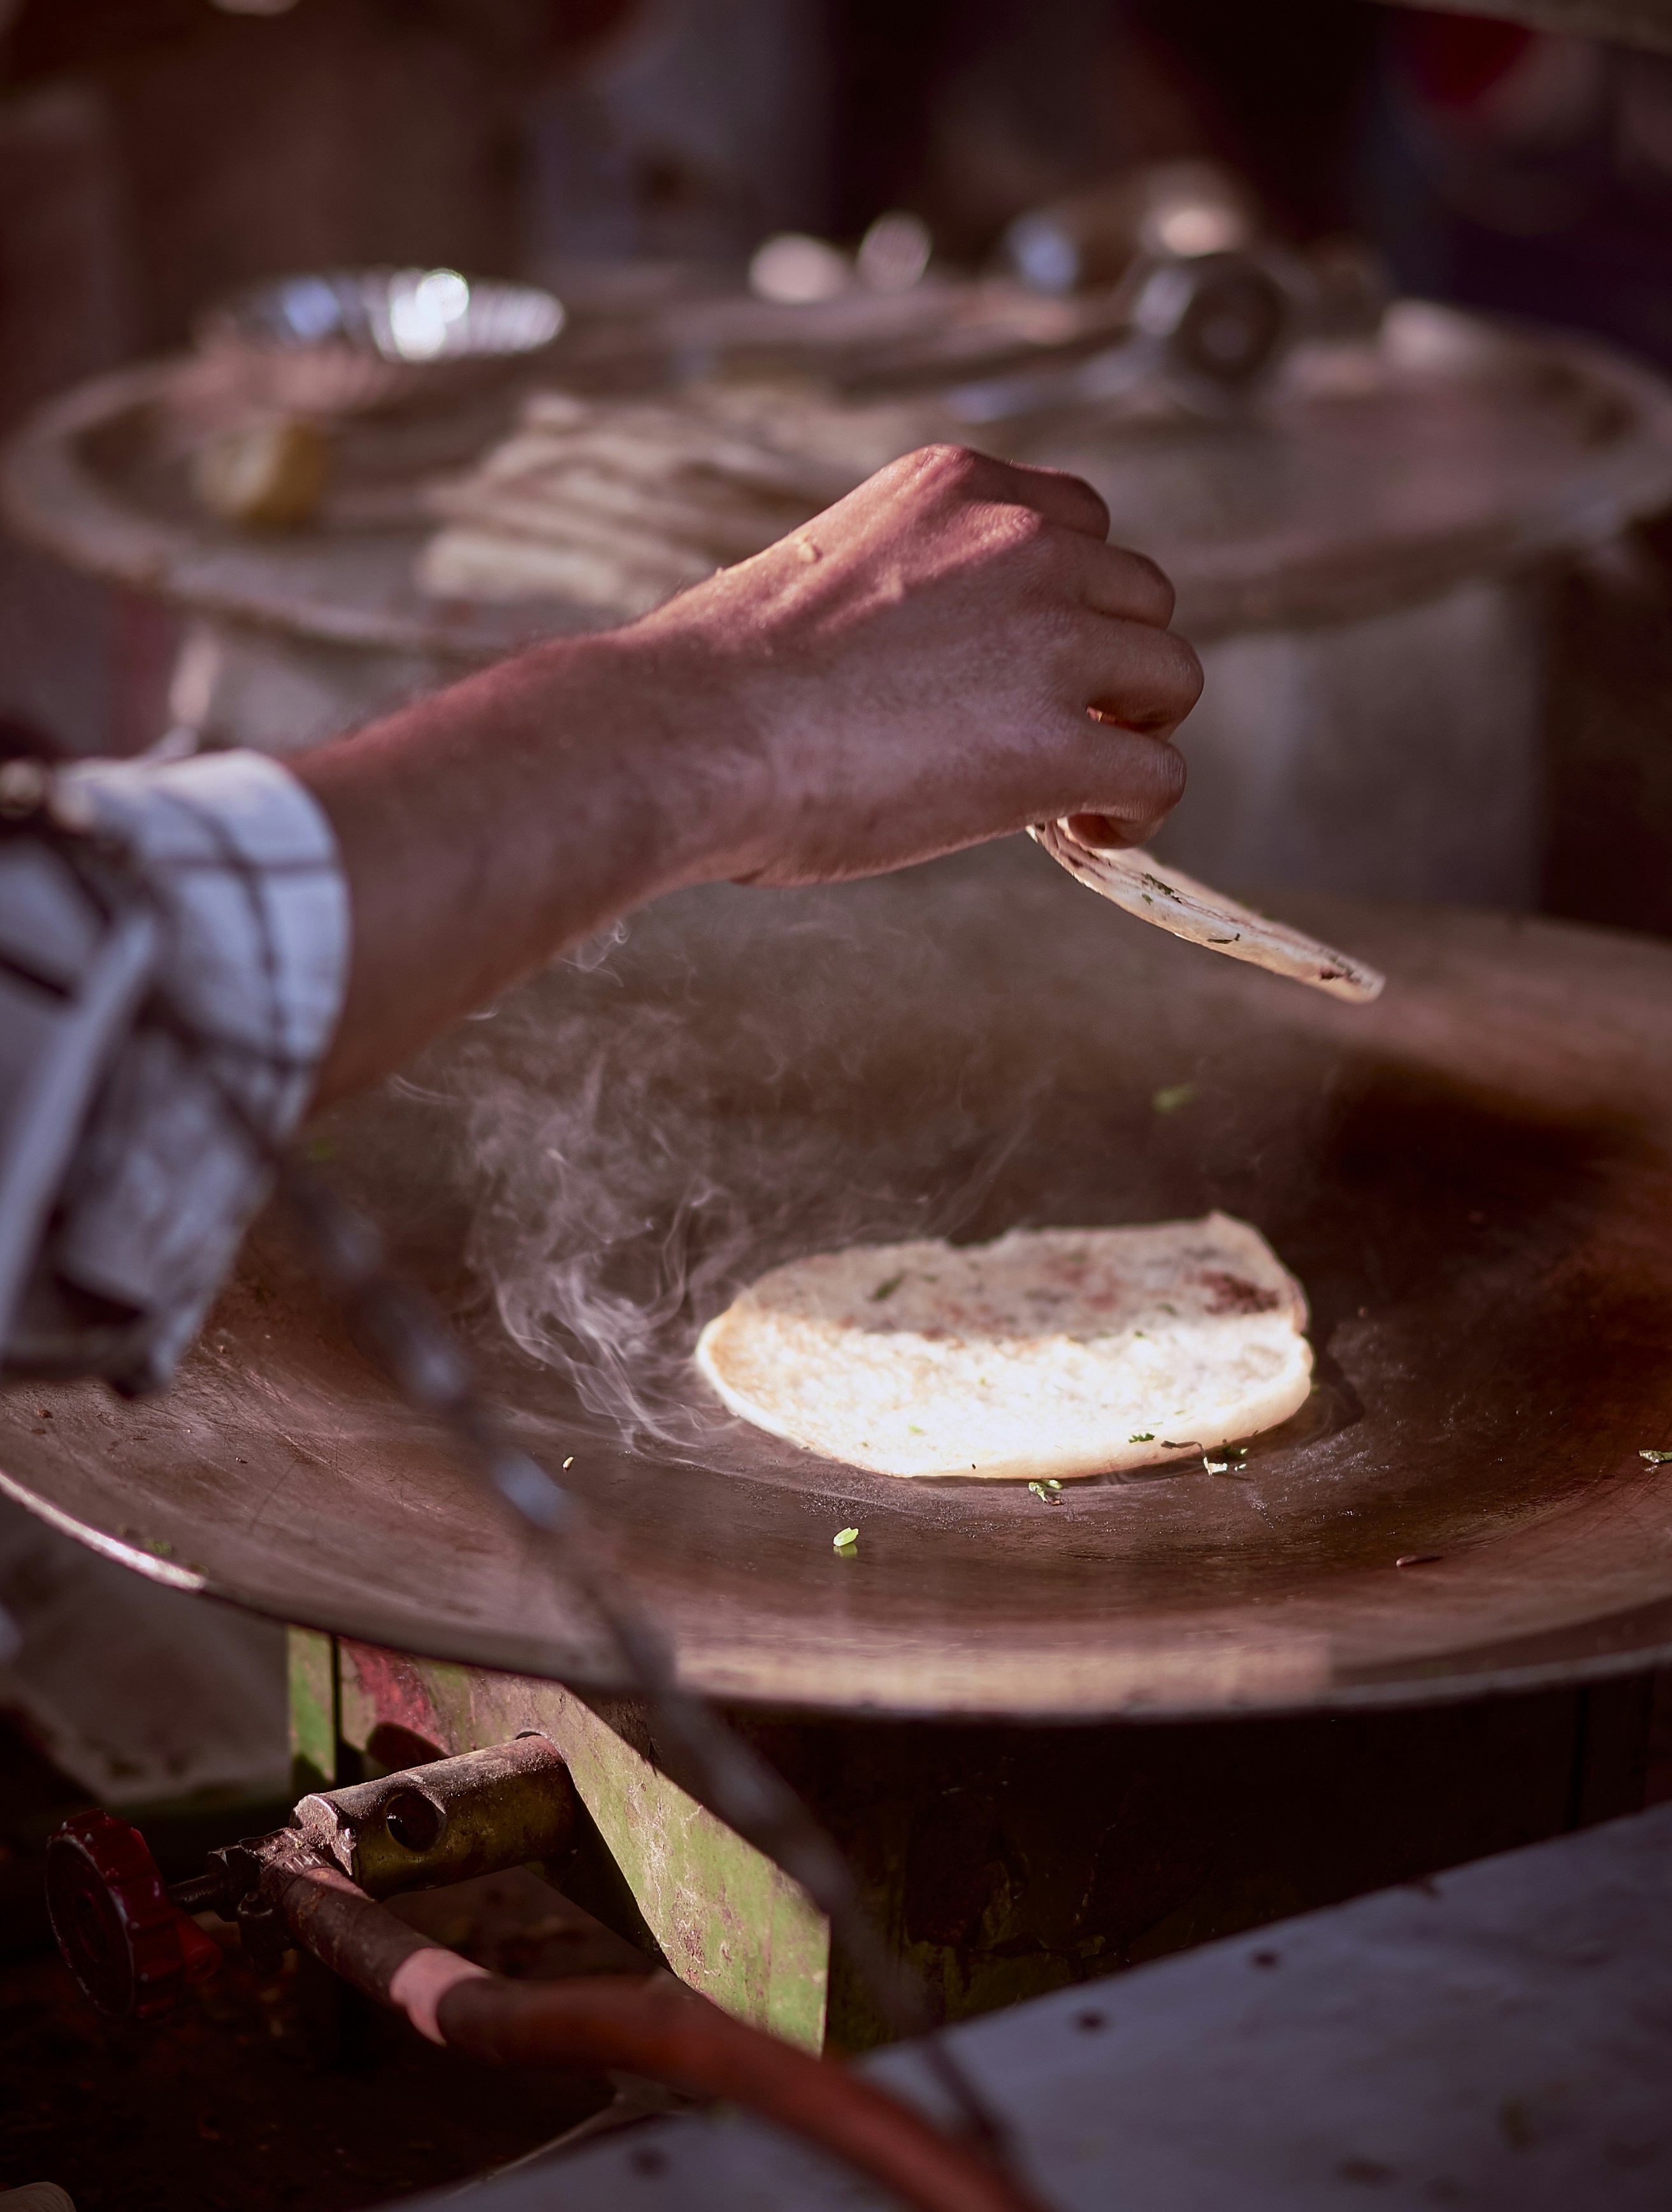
x=1471 y=1177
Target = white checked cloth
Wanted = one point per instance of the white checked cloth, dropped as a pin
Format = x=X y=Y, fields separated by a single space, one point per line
x=245 y=883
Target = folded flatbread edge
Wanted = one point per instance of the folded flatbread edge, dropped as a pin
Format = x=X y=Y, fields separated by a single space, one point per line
x=1150 y=890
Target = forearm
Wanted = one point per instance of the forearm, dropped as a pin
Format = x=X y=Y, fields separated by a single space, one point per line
x=484 y=830
x=951 y=652
x=915 y=670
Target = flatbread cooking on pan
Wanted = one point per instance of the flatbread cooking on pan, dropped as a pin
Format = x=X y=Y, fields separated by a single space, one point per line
x=1051 y=1353
x=1151 y=891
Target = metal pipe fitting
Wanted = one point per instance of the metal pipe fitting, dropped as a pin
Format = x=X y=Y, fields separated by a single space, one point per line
x=446 y=1821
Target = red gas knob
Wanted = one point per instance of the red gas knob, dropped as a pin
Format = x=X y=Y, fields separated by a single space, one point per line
x=128 y=1944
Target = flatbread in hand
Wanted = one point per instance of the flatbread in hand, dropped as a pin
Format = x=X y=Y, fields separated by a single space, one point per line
x=1051 y=1353
x=1151 y=891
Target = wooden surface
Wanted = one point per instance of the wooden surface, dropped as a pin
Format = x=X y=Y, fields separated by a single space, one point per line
x=1471 y=1177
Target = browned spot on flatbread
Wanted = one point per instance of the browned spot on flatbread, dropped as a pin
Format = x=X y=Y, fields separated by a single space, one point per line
x=1229 y=1294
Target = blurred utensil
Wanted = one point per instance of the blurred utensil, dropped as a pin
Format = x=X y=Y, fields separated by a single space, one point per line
x=1211 y=329
x=357 y=341
x=1199 y=299
x=1164 y=209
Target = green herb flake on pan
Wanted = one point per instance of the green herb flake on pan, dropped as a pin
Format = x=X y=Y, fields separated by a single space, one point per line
x=886 y=1290
x=1657 y=1458
x=1043 y=1494
x=846 y=1539
x=1143 y=1437
x=1172 y=1095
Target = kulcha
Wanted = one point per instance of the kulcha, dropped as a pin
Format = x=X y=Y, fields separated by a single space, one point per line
x=1048 y=1354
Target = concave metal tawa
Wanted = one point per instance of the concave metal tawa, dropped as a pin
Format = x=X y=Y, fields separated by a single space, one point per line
x=1470 y=1177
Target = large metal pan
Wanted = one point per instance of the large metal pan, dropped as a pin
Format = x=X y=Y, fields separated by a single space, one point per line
x=1471 y=1177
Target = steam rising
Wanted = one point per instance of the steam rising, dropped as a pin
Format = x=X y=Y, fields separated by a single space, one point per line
x=603 y=1228
x=673 y=1110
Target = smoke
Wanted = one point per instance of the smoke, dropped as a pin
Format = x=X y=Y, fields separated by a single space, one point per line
x=602 y=1226
x=739 y=1079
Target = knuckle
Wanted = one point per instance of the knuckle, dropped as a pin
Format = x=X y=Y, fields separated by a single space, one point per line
x=1021 y=529
x=957 y=468
x=1097 y=506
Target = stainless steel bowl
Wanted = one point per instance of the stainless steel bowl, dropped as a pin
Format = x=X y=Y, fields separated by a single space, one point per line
x=353 y=340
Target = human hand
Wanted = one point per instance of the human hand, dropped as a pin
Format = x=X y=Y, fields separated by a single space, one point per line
x=915 y=670
x=951 y=652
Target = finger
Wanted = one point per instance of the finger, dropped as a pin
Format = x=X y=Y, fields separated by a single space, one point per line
x=1139 y=677
x=1115 y=580
x=1129 y=785
x=1135 y=780
x=1104 y=834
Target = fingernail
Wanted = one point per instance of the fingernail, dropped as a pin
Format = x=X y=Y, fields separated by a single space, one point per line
x=1103 y=831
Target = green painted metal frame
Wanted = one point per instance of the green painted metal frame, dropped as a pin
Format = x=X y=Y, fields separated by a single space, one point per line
x=663 y=1869
x=316 y=1725
x=1000 y=1863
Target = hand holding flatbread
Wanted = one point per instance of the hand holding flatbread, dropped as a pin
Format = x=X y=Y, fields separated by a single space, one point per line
x=1148 y=889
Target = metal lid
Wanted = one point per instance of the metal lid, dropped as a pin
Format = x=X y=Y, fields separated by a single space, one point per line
x=1379 y=474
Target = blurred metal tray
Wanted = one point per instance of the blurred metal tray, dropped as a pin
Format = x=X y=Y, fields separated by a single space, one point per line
x=1372 y=475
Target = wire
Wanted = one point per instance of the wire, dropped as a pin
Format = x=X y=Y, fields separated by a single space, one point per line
x=398 y=1327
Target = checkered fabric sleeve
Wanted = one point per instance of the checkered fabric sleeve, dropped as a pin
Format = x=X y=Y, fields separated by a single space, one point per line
x=234 y=889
